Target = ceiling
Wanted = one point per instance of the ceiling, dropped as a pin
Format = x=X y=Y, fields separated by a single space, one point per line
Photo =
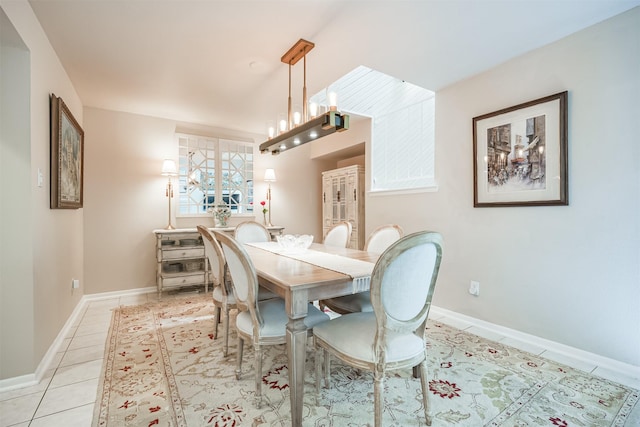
x=217 y=62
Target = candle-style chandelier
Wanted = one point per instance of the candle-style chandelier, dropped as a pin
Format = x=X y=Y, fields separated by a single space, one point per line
x=301 y=127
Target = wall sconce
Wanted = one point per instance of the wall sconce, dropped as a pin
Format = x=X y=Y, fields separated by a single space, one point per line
x=169 y=170
x=269 y=176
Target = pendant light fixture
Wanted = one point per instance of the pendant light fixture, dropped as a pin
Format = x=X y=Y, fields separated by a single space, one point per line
x=299 y=128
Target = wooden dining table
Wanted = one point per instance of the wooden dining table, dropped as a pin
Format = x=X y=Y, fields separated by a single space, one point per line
x=299 y=282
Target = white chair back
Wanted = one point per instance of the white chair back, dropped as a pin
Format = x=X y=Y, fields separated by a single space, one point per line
x=402 y=285
x=243 y=275
x=382 y=237
x=251 y=232
x=339 y=235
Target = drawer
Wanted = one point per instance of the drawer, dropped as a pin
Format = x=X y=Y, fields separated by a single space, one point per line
x=182 y=253
x=194 y=279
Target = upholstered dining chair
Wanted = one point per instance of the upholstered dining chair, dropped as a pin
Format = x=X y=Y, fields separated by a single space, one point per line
x=251 y=232
x=339 y=235
x=258 y=322
x=378 y=241
x=223 y=298
x=393 y=335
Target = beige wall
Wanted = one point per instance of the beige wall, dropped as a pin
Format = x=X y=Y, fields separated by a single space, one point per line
x=568 y=274
x=53 y=237
x=125 y=194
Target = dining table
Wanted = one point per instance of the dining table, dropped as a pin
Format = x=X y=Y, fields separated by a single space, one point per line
x=302 y=276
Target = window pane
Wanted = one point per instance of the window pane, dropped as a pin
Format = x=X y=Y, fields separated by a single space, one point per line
x=237 y=170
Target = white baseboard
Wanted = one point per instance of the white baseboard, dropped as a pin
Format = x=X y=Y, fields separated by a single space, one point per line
x=47 y=361
x=116 y=294
x=18 y=382
x=622 y=368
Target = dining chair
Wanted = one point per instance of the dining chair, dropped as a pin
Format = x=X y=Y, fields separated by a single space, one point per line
x=393 y=335
x=251 y=232
x=223 y=298
x=339 y=235
x=258 y=322
x=377 y=242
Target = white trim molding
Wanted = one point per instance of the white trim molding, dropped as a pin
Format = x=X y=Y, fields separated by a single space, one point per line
x=47 y=361
x=572 y=353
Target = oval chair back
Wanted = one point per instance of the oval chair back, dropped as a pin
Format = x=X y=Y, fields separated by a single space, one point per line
x=382 y=237
x=402 y=284
x=251 y=232
x=243 y=275
x=339 y=235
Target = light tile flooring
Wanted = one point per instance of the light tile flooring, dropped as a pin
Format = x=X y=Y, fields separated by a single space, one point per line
x=66 y=396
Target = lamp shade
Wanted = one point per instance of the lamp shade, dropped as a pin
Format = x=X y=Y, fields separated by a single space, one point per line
x=270 y=175
x=169 y=168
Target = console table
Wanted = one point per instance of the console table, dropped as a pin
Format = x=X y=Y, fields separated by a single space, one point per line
x=180 y=257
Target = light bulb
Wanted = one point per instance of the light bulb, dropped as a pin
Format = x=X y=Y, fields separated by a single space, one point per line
x=313 y=109
x=333 y=101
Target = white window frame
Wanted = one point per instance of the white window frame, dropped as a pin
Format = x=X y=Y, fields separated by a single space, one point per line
x=218 y=165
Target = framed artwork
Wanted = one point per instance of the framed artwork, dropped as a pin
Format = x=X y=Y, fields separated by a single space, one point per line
x=520 y=155
x=67 y=157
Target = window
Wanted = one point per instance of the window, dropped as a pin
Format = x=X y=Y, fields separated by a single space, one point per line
x=214 y=171
x=402 y=148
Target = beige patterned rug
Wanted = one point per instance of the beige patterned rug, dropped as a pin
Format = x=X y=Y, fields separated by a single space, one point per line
x=163 y=368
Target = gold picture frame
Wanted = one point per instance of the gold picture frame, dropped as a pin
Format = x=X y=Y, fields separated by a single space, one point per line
x=67 y=157
x=520 y=154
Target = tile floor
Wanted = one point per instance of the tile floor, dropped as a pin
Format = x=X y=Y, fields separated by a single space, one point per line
x=65 y=397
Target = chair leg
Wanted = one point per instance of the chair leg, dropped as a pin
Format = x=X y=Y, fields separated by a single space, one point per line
x=258 y=368
x=216 y=320
x=425 y=390
x=239 y=357
x=318 y=366
x=226 y=333
x=327 y=368
x=378 y=402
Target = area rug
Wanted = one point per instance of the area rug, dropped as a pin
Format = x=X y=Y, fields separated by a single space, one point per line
x=163 y=367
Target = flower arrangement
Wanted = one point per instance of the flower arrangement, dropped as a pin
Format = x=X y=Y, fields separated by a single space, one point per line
x=221 y=215
x=264 y=211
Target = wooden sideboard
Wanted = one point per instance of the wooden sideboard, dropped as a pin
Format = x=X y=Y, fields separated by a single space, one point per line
x=180 y=257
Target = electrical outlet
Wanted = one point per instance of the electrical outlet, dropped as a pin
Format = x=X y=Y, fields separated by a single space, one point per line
x=474 y=288
x=75 y=284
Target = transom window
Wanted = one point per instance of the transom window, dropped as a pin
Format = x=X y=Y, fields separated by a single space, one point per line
x=213 y=172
